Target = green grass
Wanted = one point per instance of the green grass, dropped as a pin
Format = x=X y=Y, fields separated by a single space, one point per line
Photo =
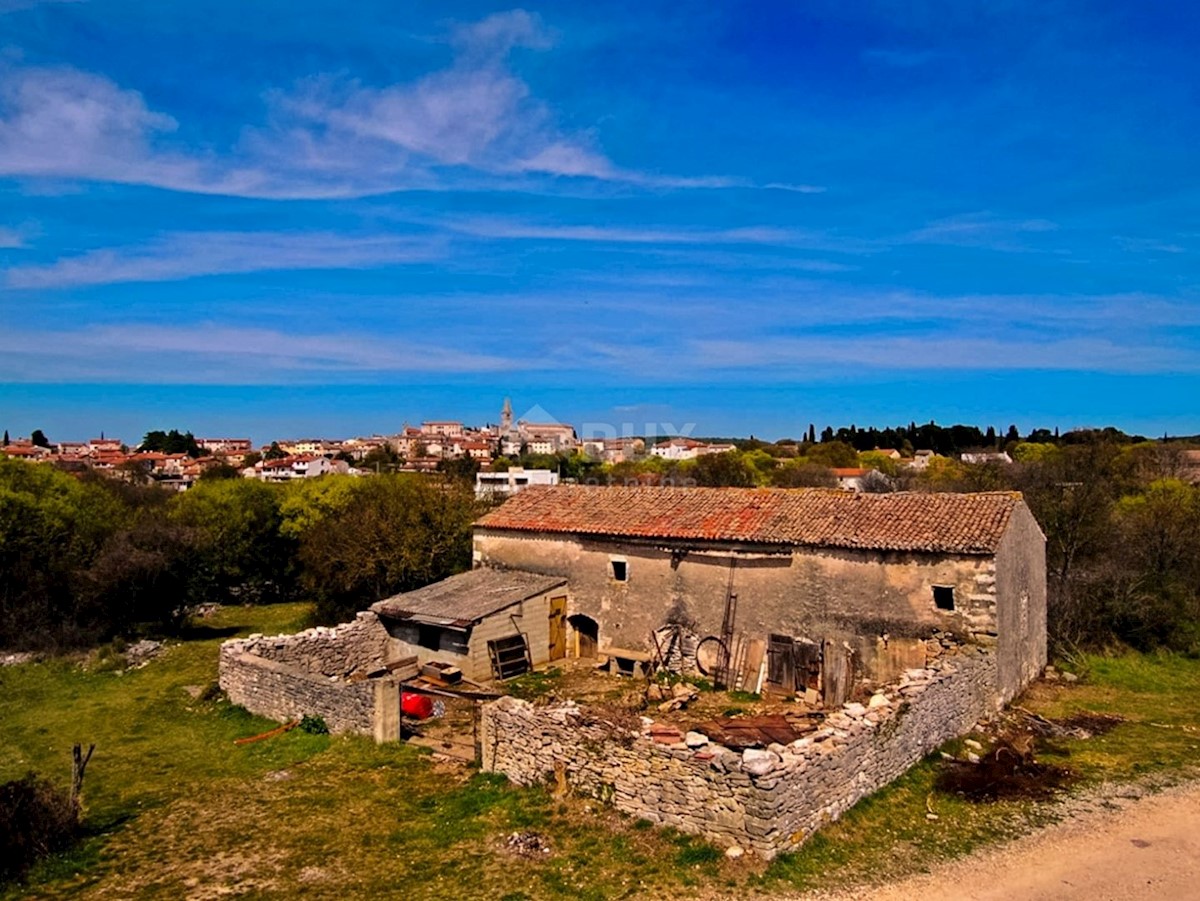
x=175 y=809
x=535 y=684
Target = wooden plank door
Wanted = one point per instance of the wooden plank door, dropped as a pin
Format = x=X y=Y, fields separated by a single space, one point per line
x=837 y=674
x=558 y=628
x=781 y=669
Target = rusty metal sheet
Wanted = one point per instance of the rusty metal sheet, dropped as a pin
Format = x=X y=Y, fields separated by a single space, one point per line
x=751 y=731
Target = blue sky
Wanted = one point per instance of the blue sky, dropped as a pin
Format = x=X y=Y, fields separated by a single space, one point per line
x=296 y=218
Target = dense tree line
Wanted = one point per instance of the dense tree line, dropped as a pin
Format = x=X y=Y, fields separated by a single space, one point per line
x=85 y=558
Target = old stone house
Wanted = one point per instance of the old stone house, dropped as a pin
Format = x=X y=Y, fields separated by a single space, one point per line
x=871 y=572
x=880 y=584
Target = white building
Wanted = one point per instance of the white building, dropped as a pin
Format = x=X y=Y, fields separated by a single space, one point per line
x=512 y=481
x=687 y=449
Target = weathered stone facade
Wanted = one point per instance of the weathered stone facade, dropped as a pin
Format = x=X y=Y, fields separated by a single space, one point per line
x=814 y=593
x=322 y=671
x=764 y=800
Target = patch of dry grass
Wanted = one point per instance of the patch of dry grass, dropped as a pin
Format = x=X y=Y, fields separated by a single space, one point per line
x=177 y=810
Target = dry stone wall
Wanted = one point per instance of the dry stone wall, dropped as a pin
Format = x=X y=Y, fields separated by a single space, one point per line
x=321 y=671
x=360 y=645
x=766 y=800
x=281 y=692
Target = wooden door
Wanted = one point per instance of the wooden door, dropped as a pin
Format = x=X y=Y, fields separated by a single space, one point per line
x=558 y=628
x=781 y=667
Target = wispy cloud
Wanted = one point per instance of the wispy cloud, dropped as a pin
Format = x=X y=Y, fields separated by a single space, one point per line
x=225 y=354
x=515 y=229
x=978 y=230
x=191 y=254
x=1148 y=245
x=475 y=122
x=963 y=353
x=11 y=238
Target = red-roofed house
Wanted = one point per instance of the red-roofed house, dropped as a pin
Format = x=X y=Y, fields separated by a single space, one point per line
x=805 y=565
x=849 y=478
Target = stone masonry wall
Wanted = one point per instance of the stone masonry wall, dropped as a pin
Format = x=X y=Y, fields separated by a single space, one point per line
x=804 y=592
x=281 y=692
x=284 y=677
x=765 y=800
x=359 y=645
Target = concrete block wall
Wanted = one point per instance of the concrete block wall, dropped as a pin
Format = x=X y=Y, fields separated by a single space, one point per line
x=764 y=800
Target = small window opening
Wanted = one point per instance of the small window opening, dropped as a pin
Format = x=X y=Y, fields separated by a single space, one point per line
x=429 y=637
x=620 y=570
x=943 y=597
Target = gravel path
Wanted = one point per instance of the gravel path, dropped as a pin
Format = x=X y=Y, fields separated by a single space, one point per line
x=1117 y=843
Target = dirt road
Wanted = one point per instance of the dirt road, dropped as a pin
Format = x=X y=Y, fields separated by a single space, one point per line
x=1148 y=848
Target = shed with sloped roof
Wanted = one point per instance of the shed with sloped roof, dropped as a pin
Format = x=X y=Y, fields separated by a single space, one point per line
x=480 y=619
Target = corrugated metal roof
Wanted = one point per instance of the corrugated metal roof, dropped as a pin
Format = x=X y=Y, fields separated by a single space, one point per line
x=468 y=597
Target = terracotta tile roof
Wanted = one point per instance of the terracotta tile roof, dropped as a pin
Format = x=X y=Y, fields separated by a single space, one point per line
x=906 y=521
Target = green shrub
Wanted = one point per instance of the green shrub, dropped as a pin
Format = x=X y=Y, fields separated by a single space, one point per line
x=36 y=819
x=314 y=724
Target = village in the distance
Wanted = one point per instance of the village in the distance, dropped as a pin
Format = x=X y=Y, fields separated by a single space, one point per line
x=515 y=453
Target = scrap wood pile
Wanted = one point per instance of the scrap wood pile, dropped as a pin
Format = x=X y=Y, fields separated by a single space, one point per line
x=1082 y=725
x=738 y=733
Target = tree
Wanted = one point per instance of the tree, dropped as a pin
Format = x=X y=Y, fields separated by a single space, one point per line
x=803 y=474
x=382 y=458
x=875 y=482
x=52 y=526
x=274 y=452
x=1071 y=493
x=172 y=442
x=1155 y=601
x=242 y=554
x=38 y=438
x=459 y=469
x=730 y=469
x=220 y=470
x=835 y=454
x=6 y=441
x=398 y=533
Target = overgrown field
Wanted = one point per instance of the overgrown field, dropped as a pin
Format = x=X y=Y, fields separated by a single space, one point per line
x=174 y=809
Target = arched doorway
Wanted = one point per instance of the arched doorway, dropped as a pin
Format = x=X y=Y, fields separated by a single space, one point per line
x=586 y=632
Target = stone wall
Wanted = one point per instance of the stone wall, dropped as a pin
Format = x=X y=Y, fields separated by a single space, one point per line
x=357 y=646
x=765 y=800
x=321 y=671
x=1021 y=603
x=281 y=692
